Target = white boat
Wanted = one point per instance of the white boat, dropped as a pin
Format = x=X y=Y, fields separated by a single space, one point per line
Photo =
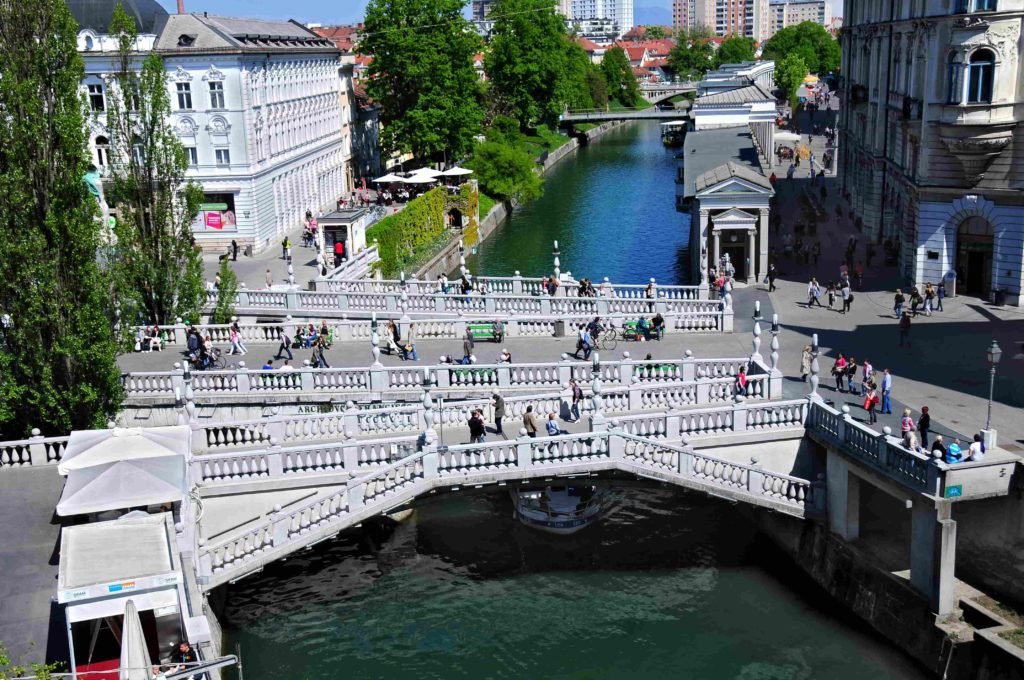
x=560 y=510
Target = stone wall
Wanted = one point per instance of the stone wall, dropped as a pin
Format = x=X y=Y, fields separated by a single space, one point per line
x=447 y=260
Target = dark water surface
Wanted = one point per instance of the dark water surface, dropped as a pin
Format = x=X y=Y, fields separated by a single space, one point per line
x=612 y=211
x=667 y=585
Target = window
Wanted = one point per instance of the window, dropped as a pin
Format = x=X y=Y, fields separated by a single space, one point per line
x=217 y=95
x=132 y=98
x=138 y=154
x=193 y=157
x=980 y=72
x=96 y=102
x=185 y=96
x=984 y=5
x=223 y=157
x=102 y=152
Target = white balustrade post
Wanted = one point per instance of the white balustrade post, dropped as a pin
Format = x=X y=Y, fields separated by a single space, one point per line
x=306 y=378
x=814 y=365
x=626 y=367
x=843 y=423
x=390 y=302
x=351 y=417
x=243 y=379
x=460 y=326
x=755 y=356
x=178 y=379
x=775 y=376
x=755 y=477
x=673 y=422
x=490 y=304
x=703 y=389
x=205 y=563
x=504 y=375
x=739 y=416
x=616 y=444
x=726 y=317
x=275 y=461
x=688 y=370
x=243 y=296
x=564 y=371
x=350 y=452
x=603 y=306
x=545 y=305
x=517 y=284
x=598 y=422
x=429 y=434
x=524 y=450
x=440 y=302
x=635 y=392
x=344 y=330
x=279 y=523
x=36 y=448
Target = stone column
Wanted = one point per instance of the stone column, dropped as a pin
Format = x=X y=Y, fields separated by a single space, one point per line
x=933 y=553
x=717 y=252
x=843 y=498
x=762 y=241
x=751 y=256
x=702 y=233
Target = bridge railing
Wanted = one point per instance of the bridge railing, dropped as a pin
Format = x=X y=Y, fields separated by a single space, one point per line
x=358 y=266
x=387 y=488
x=876 y=450
x=634 y=396
x=696 y=376
x=32 y=452
x=316 y=304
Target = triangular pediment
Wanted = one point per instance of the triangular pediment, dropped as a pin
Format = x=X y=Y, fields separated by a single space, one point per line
x=734 y=185
x=734 y=215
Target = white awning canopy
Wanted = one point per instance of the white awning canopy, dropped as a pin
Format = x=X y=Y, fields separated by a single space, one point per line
x=429 y=172
x=87 y=448
x=781 y=136
x=457 y=172
x=419 y=179
x=123 y=484
x=389 y=178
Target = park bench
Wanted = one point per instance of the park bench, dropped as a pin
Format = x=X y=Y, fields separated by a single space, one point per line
x=480 y=375
x=486 y=331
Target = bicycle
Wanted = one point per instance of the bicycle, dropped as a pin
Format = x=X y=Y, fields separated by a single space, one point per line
x=609 y=340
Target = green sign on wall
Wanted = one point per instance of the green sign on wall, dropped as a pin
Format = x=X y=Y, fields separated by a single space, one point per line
x=954 y=491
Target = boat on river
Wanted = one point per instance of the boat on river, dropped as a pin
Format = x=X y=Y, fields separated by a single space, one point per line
x=560 y=510
x=673 y=133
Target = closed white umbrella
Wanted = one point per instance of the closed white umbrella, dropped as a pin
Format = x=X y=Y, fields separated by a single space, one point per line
x=457 y=172
x=389 y=178
x=135 y=662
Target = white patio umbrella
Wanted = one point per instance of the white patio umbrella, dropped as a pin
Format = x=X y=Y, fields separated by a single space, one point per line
x=87 y=448
x=124 y=484
x=419 y=179
x=135 y=662
x=457 y=172
x=429 y=172
x=389 y=178
x=787 y=137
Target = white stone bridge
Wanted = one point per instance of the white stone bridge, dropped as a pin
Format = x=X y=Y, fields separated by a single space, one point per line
x=659 y=92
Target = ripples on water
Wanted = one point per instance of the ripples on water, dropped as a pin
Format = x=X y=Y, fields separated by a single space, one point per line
x=666 y=585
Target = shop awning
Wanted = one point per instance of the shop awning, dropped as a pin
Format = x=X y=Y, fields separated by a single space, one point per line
x=87 y=448
x=123 y=484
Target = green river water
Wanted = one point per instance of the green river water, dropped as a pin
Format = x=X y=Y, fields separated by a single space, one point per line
x=667 y=585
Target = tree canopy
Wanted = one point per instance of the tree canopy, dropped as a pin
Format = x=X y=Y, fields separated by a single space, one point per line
x=810 y=41
x=618 y=74
x=57 y=347
x=422 y=76
x=735 y=49
x=533 y=66
x=789 y=74
x=656 y=32
x=505 y=172
x=693 y=55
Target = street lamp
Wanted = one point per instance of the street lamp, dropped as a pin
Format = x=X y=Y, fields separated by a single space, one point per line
x=994 y=354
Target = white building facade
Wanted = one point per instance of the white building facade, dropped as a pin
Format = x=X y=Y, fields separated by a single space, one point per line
x=259 y=107
x=749 y=18
x=930 y=145
x=785 y=13
x=618 y=11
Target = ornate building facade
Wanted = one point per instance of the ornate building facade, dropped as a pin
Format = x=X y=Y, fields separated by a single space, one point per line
x=261 y=107
x=930 y=145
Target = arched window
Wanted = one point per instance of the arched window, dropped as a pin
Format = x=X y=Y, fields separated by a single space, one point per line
x=980 y=72
x=138 y=153
x=102 y=152
x=954 y=90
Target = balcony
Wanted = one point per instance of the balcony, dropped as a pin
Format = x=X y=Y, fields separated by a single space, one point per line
x=977 y=114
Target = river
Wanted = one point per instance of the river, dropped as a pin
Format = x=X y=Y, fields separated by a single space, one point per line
x=668 y=585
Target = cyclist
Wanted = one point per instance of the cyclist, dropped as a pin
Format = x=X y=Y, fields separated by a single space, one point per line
x=596 y=328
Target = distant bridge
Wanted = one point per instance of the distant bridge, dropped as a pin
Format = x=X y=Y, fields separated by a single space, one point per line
x=597 y=116
x=659 y=92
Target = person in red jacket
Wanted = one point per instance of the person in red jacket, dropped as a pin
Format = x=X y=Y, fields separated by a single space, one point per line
x=339 y=253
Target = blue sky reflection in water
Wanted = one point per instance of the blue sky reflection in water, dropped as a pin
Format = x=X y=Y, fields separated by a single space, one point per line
x=612 y=210
x=669 y=585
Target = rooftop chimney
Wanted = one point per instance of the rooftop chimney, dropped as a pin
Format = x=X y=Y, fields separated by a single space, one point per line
x=181 y=6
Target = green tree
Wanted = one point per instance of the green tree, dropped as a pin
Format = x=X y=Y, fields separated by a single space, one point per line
x=789 y=75
x=530 y=61
x=693 y=55
x=618 y=73
x=422 y=76
x=734 y=50
x=226 y=292
x=811 y=42
x=158 y=269
x=598 y=87
x=11 y=669
x=655 y=32
x=505 y=172
x=57 y=361
x=574 y=86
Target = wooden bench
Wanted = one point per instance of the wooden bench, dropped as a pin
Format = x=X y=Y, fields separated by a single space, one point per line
x=486 y=331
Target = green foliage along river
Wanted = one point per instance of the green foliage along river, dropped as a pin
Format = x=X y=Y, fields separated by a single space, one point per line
x=667 y=585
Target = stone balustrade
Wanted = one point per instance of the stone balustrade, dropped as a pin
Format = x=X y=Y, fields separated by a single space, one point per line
x=287 y=529
x=681 y=310
x=356 y=267
x=373 y=381
x=34 y=451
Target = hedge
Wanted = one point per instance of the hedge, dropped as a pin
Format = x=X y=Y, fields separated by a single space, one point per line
x=401 y=236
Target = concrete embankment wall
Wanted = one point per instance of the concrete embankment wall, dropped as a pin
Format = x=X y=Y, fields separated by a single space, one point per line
x=448 y=259
x=887 y=602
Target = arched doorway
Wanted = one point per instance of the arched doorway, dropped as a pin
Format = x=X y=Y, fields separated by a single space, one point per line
x=974 y=241
x=455 y=219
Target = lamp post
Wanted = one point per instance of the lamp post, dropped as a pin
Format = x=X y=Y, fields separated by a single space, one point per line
x=994 y=354
x=558 y=264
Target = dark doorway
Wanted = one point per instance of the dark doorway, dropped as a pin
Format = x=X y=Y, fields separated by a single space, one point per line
x=974 y=244
x=738 y=257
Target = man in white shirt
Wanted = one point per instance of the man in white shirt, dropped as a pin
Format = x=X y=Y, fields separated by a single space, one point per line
x=976 y=451
x=287 y=366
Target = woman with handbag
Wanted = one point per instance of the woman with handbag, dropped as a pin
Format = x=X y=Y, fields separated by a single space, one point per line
x=870 y=402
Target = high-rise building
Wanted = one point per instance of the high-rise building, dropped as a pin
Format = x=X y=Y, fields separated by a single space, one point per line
x=481 y=8
x=785 y=13
x=619 y=11
x=749 y=18
x=930 y=144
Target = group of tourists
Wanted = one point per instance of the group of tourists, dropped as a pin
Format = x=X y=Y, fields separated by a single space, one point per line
x=835 y=292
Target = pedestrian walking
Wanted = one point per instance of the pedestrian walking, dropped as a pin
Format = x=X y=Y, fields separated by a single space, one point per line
x=805 y=362
x=847 y=295
x=318 y=353
x=813 y=293
x=830 y=293
x=839 y=372
x=868 y=379
x=530 y=421
x=234 y=250
x=924 y=425
x=285 y=245
x=907 y=428
x=409 y=348
x=905 y=329
x=237 y=346
x=498 y=402
x=477 y=431
x=741 y=382
x=870 y=402
x=929 y=298
x=897 y=303
x=467 y=346
x=886 y=391
x=269 y=278
x=772 y=275
x=577 y=398
x=286 y=344
x=851 y=375
x=940 y=295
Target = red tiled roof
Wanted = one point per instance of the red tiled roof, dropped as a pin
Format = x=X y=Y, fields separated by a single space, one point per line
x=634 y=53
x=362 y=98
x=343 y=37
x=588 y=44
x=656 y=63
